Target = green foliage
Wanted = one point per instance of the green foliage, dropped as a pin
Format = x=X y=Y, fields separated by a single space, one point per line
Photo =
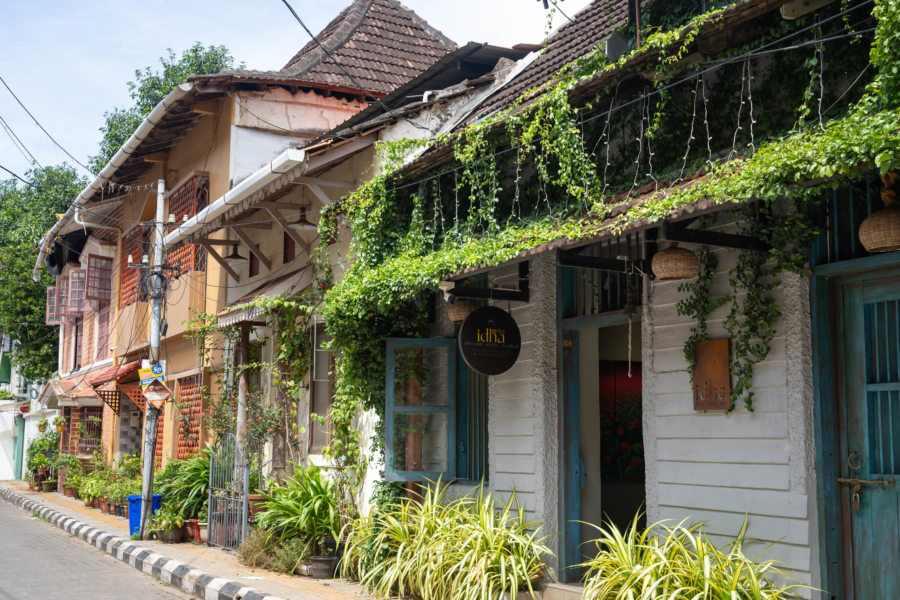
x=698 y=304
x=305 y=506
x=42 y=451
x=26 y=212
x=261 y=549
x=149 y=87
x=435 y=548
x=184 y=484
x=678 y=562
x=166 y=518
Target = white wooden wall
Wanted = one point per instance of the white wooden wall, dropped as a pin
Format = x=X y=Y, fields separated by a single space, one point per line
x=716 y=468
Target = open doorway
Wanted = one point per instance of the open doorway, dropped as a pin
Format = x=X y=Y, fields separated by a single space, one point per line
x=610 y=428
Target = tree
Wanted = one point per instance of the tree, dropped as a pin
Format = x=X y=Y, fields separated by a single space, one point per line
x=26 y=213
x=150 y=87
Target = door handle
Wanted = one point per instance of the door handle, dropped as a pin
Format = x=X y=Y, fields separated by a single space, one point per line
x=856 y=490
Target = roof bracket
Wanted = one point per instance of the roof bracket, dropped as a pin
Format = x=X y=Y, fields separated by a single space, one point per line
x=617 y=265
x=679 y=232
x=460 y=290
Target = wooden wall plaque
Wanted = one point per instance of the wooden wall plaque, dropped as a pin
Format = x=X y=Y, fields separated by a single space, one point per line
x=712 y=375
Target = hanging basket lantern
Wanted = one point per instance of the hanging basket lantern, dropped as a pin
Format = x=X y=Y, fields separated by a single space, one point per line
x=460 y=309
x=675 y=263
x=880 y=231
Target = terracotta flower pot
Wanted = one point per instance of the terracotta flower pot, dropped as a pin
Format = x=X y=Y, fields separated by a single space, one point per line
x=42 y=428
x=60 y=428
x=70 y=491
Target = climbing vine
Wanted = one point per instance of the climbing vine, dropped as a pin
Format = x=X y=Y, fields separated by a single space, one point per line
x=698 y=304
x=595 y=151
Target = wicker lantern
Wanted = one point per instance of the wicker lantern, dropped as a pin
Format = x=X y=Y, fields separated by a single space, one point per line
x=880 y=231
x=460 y=309
x=675 y=263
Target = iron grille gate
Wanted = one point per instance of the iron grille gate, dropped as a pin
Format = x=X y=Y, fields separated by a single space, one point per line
x=228 y=484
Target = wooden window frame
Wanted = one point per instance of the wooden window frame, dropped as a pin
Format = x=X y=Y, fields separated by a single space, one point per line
x=98 y=283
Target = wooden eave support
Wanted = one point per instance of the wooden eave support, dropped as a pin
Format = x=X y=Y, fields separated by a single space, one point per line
x=292 y=232
x=573 y=259
x=157 y=157
x=460 y=290
x=218 y=258
x=254 y=248
x=208 y=107
x=679 y=232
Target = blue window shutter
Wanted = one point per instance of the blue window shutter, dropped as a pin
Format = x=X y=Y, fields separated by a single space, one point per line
x=439 y=412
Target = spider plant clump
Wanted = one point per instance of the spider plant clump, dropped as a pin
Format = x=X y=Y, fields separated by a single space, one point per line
x=681 y=562
x=431 y=548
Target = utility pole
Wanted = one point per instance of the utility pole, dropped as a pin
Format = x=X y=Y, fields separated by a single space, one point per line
x=157 y=297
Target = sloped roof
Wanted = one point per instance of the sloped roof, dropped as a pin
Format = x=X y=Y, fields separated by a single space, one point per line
x=591 y=26
x=381 y=43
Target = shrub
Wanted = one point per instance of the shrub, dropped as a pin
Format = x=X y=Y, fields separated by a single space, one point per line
x=467 y=548
x=261 y=549
x=184 y=484
x=680 y=563
x=304 y=507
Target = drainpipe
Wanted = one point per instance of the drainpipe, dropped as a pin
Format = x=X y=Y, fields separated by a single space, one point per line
x=79 y=220
x=105 y=175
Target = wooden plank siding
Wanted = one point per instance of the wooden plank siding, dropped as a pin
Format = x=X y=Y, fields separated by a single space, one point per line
x=717 y=468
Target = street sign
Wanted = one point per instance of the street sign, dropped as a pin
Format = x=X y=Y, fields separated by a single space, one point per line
x=151 y=374
x=157 y=393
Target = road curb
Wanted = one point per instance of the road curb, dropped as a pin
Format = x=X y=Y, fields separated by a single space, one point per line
x=177 y=574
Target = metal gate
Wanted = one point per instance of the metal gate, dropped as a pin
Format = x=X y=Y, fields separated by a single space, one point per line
x=228 y=484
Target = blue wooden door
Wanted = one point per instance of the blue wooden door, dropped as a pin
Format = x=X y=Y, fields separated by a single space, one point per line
x=870 y=436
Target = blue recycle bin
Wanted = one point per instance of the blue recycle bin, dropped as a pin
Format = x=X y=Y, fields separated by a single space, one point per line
x=134 y=511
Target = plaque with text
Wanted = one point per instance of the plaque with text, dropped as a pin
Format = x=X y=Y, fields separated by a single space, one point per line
x=712 y=375
x=489 y=340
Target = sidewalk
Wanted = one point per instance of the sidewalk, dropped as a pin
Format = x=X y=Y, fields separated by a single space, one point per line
x=205 y=572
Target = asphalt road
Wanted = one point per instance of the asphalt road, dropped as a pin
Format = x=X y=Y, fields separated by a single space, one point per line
x=38 y=561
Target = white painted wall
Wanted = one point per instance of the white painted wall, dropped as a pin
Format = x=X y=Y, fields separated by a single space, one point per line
x=7 y=444
x=715 y=468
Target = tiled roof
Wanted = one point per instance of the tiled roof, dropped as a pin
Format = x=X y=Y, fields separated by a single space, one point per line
x=116 y=372
x=381 y=43
x=592 y=25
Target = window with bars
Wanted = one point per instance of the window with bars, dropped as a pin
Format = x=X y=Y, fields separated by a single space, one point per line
x=98 y=278
x=91 y=425
x=184 y=203
x=133 y=244
x=103 y=332
x=52 y=317
x=77 y=282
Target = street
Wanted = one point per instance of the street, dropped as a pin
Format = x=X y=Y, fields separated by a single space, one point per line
x=42 y=562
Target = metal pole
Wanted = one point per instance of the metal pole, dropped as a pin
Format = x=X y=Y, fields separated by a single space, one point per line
x=156 y=315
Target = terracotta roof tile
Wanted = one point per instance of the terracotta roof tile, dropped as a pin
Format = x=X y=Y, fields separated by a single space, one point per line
x=381 y=43
x=592 y=25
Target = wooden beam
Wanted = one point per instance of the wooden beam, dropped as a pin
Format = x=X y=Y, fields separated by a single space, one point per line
x=335 y=183
x=278 y=206
x=215 y=255
x=679 y=232
x=209 y=107
x=212 y=242
x=157 y=157
x=320 y=193
x=260 y=226
x=254 y=248
x=294 y=235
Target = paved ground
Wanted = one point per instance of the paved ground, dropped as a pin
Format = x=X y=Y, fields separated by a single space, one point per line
x=40 y=562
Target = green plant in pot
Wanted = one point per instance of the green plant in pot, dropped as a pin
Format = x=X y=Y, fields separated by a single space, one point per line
x=305 y=507
x=167 y=524
x=39 y=464
x=42 y=424
x=59 y=422
x=69 y=469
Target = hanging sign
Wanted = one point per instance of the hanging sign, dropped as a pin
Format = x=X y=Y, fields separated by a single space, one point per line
x=157 y=393
x=151 y=374
x=489 y=340
x=712 y=375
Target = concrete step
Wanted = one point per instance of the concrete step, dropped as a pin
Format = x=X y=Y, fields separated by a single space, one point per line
x=562 y=591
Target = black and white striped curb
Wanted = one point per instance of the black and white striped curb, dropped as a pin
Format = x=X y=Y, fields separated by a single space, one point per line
x=191 y=581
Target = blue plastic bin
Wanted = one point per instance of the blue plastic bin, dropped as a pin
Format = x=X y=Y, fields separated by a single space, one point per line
x=134 y=511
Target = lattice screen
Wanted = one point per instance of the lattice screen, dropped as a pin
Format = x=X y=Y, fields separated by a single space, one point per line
x=186 y=202
x=160 y=427
x=135 y=394
x=112 y=398
x=191 y=402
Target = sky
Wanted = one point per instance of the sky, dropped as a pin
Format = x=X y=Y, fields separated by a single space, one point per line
x=68 y=61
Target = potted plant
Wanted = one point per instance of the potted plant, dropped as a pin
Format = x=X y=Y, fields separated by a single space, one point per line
x=40 y=464
x=49 y=485
x=59 y=422
x=167 y=524
x=42 y=424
